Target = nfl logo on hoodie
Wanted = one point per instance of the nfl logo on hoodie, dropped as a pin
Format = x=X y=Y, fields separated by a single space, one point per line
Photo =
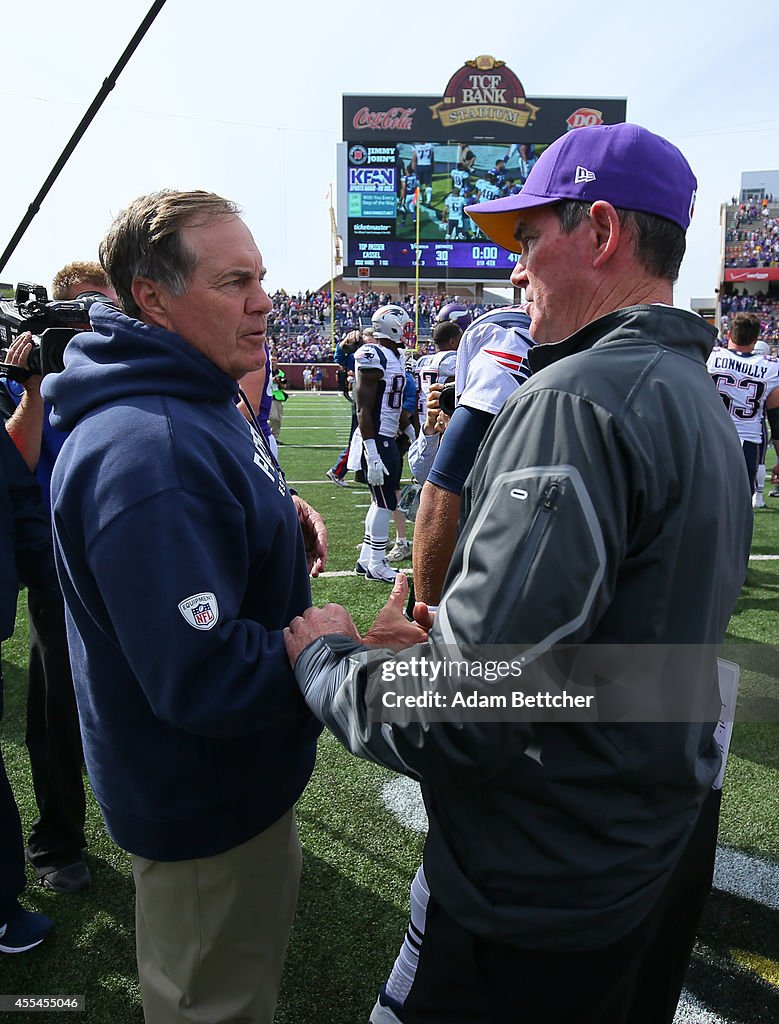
x=200 y=610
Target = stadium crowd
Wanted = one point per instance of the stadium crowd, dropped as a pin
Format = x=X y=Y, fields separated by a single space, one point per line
x=299 y=324
x=758 y=247
x=764 y=306
x=752 y=241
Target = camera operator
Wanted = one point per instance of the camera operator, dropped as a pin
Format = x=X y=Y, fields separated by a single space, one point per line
x=25 y=540
x=344 y=356
x=57 y=839
x=425 y=446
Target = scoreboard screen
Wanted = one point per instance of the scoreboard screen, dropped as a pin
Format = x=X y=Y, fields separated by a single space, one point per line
x=409 y=161
x=389 y=186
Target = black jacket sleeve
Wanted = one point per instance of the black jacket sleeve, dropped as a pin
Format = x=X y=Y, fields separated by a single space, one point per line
x=26 y=528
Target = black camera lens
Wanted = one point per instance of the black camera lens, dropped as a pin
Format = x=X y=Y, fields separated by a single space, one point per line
x=34 y=360
x=446 y=399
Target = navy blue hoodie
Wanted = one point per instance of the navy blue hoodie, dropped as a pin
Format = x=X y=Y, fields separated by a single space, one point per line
x=181 y=560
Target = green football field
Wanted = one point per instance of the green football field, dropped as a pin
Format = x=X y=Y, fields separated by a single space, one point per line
x=361 y=826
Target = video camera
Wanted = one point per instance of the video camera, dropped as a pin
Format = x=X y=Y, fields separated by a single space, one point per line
x=446 y=399
x=52 y=324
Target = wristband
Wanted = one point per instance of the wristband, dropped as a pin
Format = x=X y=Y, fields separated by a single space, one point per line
x=410 y=433
x=369 y=444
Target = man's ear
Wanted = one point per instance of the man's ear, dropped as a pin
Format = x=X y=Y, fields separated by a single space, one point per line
x=152 y=300
x=607 y=230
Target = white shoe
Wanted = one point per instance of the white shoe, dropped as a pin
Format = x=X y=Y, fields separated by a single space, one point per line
x=757 y=500
x=381 y=573
x=335 y=479
x=399 y=552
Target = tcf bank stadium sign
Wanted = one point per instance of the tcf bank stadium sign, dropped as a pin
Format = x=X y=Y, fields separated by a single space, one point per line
x=484 y=90
x=483 y=101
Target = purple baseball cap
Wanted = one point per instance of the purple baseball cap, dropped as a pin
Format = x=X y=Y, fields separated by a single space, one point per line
x=628 y=166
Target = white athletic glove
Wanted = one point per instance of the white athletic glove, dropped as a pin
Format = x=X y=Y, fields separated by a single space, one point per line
x=376 y=468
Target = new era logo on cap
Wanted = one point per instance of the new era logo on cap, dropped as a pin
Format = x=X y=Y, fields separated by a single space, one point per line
x=582 y=174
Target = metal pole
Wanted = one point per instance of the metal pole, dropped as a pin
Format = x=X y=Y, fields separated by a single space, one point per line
x=75 y=138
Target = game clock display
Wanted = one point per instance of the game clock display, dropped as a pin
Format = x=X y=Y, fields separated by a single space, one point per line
x=462 y=255
x=397 y=192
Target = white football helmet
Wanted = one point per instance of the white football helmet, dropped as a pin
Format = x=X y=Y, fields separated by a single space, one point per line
x=762 y=348
x=394 y=323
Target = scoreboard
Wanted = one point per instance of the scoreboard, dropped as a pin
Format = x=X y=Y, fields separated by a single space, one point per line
x=412 y=163
x=382 y=212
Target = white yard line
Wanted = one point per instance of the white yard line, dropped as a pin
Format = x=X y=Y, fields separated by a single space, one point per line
x=406 y=570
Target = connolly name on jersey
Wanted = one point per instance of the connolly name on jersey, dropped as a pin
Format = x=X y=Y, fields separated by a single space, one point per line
x=744 y=381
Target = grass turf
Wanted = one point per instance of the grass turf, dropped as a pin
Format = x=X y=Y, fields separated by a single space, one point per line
x=358 y=860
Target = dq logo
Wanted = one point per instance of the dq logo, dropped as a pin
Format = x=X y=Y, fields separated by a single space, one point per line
x=584 y=117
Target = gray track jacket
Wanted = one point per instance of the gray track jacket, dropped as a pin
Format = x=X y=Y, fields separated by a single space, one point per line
x=608 y=505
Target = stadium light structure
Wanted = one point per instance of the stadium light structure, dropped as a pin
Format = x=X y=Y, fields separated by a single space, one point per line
x=417 y=204
x=336 y=261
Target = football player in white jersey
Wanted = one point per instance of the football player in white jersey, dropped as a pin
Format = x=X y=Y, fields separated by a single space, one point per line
x=380 y=382
x=455 y=204
x=762 y=348
x=749 y=386
x=422 y=162
x=408 y=195
x=460 y=177
x=491 y=364
x=487 y=188
x=438 y=367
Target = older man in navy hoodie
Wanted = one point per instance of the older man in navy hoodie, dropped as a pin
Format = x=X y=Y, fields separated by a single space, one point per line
x=182 y=555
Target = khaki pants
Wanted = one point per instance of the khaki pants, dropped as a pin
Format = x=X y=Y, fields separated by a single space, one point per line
x=211 y=934
x=275 y=417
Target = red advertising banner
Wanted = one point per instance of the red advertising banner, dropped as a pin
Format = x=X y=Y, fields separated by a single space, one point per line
x=737 y=274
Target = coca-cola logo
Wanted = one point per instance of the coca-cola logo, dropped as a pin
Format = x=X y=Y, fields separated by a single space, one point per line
x=396 y=119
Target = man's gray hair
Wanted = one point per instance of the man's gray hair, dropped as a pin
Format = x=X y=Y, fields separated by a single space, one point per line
x=145 y=241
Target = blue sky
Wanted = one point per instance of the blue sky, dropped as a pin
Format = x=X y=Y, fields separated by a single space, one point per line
x=245 y=99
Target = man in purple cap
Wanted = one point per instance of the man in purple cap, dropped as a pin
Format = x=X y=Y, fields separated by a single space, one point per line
x=568 y=859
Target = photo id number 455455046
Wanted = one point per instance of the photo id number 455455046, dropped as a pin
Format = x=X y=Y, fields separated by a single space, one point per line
x=42 y=1004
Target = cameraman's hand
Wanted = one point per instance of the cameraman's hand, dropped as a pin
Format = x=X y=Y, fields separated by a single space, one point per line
x=18 y=354
x=433 y=423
